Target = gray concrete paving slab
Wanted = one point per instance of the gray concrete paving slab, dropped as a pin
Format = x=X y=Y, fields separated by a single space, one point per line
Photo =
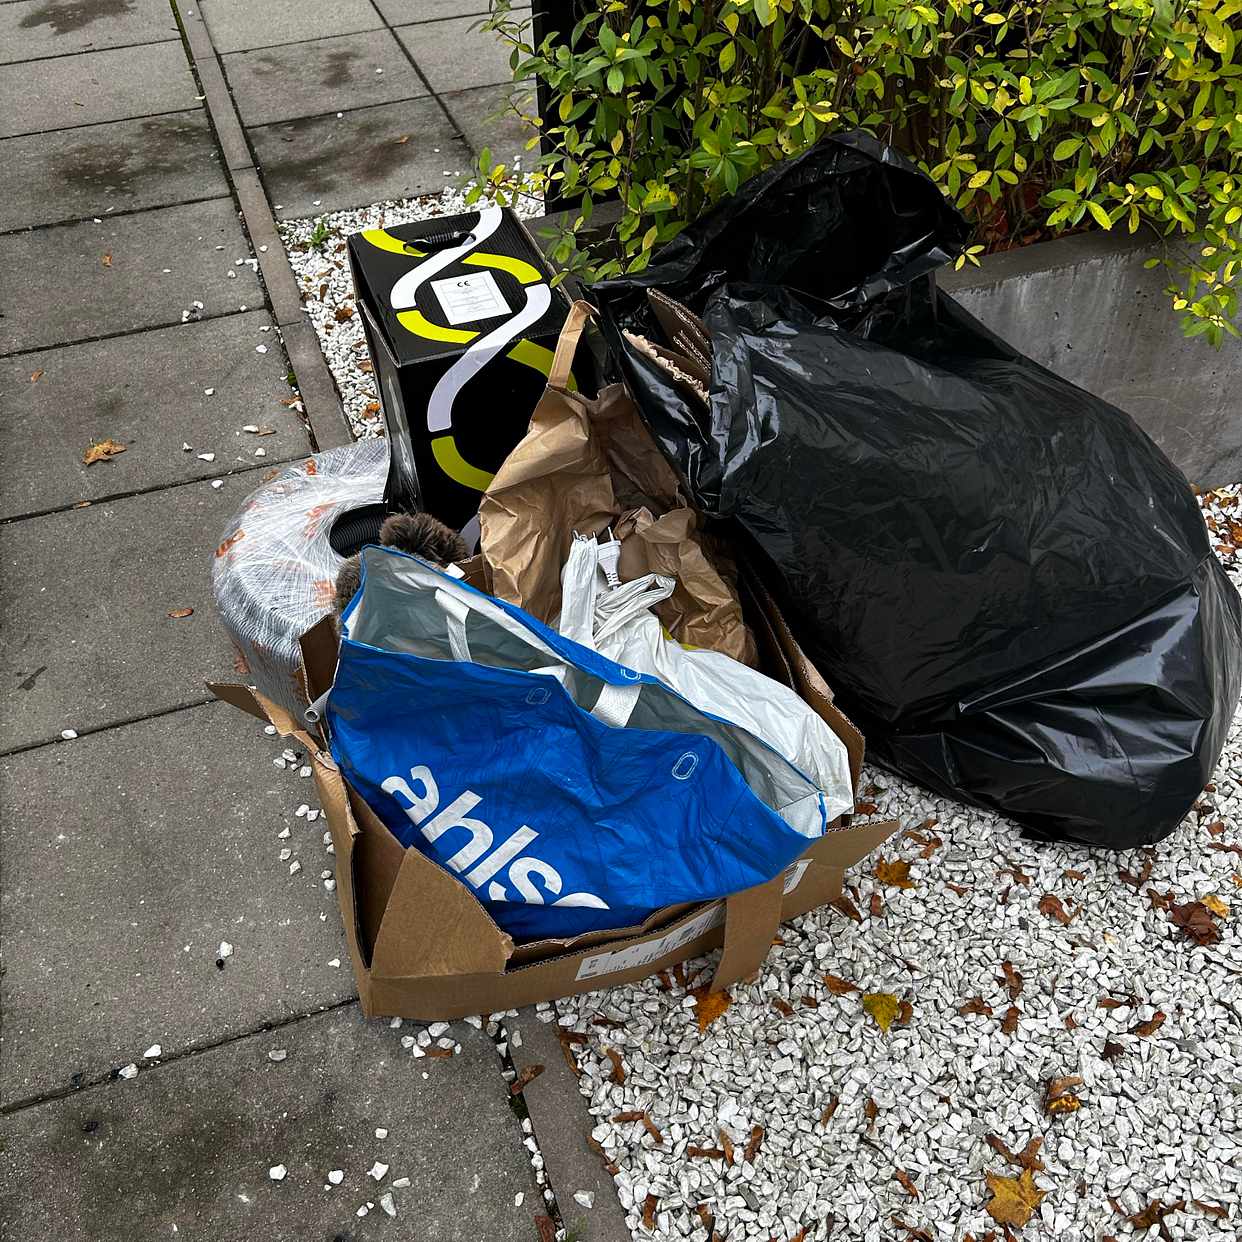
x=33 y=28
x=122 y=82
x=149 y=392
x=183 y=1150
x=121 y=166
x=486 y=119
x=84 y=611
x=438 y=49
x=324 y=75
x=325 y=163
x=237 y=25
x=129 y=855
x=127 y=272
x=399 y=12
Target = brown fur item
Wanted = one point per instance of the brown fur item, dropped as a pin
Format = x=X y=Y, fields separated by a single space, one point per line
x=419 y=534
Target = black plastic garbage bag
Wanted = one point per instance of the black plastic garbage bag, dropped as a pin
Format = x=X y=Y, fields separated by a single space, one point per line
x=1010 y=588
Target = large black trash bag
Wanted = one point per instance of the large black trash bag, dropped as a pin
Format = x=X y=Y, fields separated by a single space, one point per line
x=1009 y=586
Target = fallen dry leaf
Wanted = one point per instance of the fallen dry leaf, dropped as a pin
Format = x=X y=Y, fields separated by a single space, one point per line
x=106 y=260
x=978 y=1005
x=782 y=1007
x=525 y=1076
x=1070 y=874
x=1151 y=1026
x=1059 y=1095
x=1071 y=1022
x=1154 y=1214
x=1010 y=1022
x=344 y=313
x=102 y=450
x=650 y=1203
x=1019 y=876
x=840 y=987
x=913 y=1232
x=865 y=808
x=1050 y=904
x=1216 y=829
x=960 y=889
x=598 y=1148
x=876 y=908
x=638 y=1114
x=1112 y=1050
x=907 y=1183
x=437 y=1052
x=882 y=1007
x=905 y=1011
x=1013 y=1198
x=705 y=1153
x=753 y=1145
x=1027 y=1158
x=618 y=1067
x=846 y=907
x=726 y=1144
x=403 y=140
x=546 y=1227
x=894 y=872
x=1216 y=905
x=1195 y=920
x=871 y=1110
x=178 y=613
x=1212 y=1209
x=833 y=1104
x=708 y=1006
x=36 y=376
x=1012 y=980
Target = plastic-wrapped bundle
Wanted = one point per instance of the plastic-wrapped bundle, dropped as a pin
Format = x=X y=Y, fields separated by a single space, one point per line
x=274 y=573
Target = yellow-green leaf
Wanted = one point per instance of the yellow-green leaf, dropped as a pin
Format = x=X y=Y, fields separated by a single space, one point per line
x=728 y=54
x=1099 y=215
x=981 y=178
x=1065 y=148
x=994 y=19
x=882 y=1007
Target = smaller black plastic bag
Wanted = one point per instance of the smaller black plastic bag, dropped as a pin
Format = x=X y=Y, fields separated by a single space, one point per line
x=1008 y=585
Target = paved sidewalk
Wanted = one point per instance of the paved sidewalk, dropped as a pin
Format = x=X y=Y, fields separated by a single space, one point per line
x=132 y=309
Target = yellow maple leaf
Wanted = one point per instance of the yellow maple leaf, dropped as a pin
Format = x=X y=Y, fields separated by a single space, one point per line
x=101 y=450
x=708 y=1006
x=882 y=1007
x=895 y=873
x=1013 y=1198
x=1216 y=905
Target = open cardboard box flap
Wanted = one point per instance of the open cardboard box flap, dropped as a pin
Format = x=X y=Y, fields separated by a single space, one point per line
x=424 y=947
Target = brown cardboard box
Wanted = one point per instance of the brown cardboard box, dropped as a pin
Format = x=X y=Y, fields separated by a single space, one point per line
x=424 y=947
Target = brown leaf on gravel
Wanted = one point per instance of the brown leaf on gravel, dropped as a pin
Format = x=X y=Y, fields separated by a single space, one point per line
x=871 y=1110
x=882 y=1007
x=976 y=1004
x=705 y=1153
x=402 y=140
x=650 y=1203
x=800 y=1236
x=639 y=1114
x=1050 y=904
x=1151 y=1026
x=1019 y=876
x=1212 y=1209
x=876 y=908
x=618 y=1066
x=894 y=872
x=1195 y=921
x=907 y=1183
x=1222 y=848
x=1154 y=1214
x=344 y=313
x=865 y=808
x=525 y=1076
x=1071 y=1022
x=782 y=1007
x=437 y=1052
x=366 y=367
x=106 y=259
x=913 y=1232
x=727 y=1143
x=1010 y=1022
x=36 y=376
x=1111 y=1002
x=810 y=1002
x=846 y=907
x=1013 y=1198
x=1059 y=1097
x=101 y=450
x=826 y=1116
x=905 y=1011
x=840 y=987
x=1217 y=905
x=547 y=1228
x=1136 y=880
x=1027 y=1158
x=708 y=1006
x=178 y=613
x=1012 y=980
x=1112 y=1050
x=960 y=889
x=753 y=1144
x=1160 y=901
x=1070 y=874
x=1216 y=829
x=598 y=1148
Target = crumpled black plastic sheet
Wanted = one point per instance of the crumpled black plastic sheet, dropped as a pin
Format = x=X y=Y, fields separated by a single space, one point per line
x=1009 y=587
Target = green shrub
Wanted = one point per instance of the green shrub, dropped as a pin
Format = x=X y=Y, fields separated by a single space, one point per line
x=1035 y=118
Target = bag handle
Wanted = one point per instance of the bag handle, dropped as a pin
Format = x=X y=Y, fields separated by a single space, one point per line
x=567 y=346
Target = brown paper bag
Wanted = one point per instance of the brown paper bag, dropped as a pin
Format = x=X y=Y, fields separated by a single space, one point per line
x=585 y=465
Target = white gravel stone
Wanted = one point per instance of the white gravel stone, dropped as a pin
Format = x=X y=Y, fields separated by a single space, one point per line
x=336 y=1176
x=128 y=1071
x=379 y=1170
x=277 y=1172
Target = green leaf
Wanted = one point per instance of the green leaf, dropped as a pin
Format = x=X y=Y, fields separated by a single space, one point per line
x=728 y=54
x=980 y=179
x=1065 y=148
x=616 y=80
x=1099 y=215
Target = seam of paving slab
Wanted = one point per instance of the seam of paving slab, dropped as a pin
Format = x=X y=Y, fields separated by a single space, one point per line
x=324 y=414
x=112 y=215
x=31 y=60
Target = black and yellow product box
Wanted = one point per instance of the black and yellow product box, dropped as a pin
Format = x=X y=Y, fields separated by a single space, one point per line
x=461 y=320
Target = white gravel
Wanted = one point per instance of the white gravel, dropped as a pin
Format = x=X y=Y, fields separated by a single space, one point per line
x=323 y=275
x=844 y=1108
x=1160 y=1120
